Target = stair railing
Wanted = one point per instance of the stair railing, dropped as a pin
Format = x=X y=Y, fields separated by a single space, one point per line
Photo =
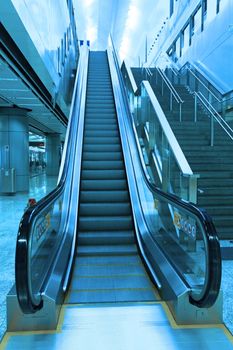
x=172 y=166
x=214 y=116
x=194 y=82
x=163 y=151
x=173 y=93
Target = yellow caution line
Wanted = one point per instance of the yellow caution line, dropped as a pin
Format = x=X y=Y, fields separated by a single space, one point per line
x=110 y=304
x=110 y=290
x=111 y=264
x=111 y=276
x=189 y=326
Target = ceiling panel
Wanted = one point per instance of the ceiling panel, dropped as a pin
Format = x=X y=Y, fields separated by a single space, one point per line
x=13 y=91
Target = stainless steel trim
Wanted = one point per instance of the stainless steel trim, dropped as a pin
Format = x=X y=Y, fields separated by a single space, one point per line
x=77 y=167
x=206 y=87
x=214 y=116
x=131 y=78
x=170 y=86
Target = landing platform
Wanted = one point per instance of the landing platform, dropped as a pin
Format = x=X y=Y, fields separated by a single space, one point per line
x=129 y=326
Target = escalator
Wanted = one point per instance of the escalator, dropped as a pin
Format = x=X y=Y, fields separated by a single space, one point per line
x=107 y=234
x=107 y=267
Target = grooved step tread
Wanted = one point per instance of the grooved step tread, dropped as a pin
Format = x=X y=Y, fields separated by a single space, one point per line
x=106 y=237
x=104 y=223
x=103 y=209
x=104 y=196
x=105 y=250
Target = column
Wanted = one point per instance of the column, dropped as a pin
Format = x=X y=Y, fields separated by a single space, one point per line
x=14 y=145
x=53 y=153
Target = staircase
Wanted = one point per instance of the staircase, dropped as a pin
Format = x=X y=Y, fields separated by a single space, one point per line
x=214 y=164
x=108 y=267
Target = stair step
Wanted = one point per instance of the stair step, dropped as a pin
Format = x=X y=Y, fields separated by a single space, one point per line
x=104 y=209
x=106 y=237
x=107 y=250
x=213 y=159
x=104 y=196
x=94 y=185
x=213 y=191
x=214 y=200
x=104 y=223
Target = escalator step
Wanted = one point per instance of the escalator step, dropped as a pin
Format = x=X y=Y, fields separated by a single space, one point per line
x=104 y=209
x=101 y=148
x=102 y=174
x=105 y=250
x=102 y=156
x=106 y=237
x=100 y=164
x=104 y=196
x=95 y=125
x=101 y=133
x=112 y=184
x=101 y=141
x=105 y=223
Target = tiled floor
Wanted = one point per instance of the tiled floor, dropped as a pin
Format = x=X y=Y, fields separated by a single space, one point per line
x=227 y=287
x=11 y=210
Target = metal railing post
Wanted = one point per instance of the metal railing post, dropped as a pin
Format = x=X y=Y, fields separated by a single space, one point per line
x=171 y=101
x=195 y=108
x=193 y=188
x=212 y=131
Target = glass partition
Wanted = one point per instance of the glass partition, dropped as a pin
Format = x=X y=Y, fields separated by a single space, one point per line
x=48 y=231
x=157 y=142
x=180 y=235
x=49 y=224
x=185 y=234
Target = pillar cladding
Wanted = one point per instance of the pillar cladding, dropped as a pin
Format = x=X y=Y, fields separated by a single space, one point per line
x=14 y=144
x=53 y=153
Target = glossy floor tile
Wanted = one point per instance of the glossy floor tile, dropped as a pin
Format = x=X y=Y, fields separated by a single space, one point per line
x=122 y=327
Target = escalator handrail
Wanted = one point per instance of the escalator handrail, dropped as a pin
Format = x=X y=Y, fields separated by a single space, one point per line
x=212 y=284
x=26 y=299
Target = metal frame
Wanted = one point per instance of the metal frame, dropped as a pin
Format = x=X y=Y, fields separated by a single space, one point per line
x=51 y=294
x=178 y=291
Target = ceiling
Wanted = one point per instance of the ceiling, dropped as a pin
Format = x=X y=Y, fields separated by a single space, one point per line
x=131 y=22
x=13 y=91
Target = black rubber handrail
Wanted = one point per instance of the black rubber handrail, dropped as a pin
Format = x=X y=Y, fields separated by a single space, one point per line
x=212 y=286
x=25 y=296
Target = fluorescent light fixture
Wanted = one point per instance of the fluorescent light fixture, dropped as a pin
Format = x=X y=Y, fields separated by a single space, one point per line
x=124 y=49
x=133 y=17
x=91 y=33
x=87 y=3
